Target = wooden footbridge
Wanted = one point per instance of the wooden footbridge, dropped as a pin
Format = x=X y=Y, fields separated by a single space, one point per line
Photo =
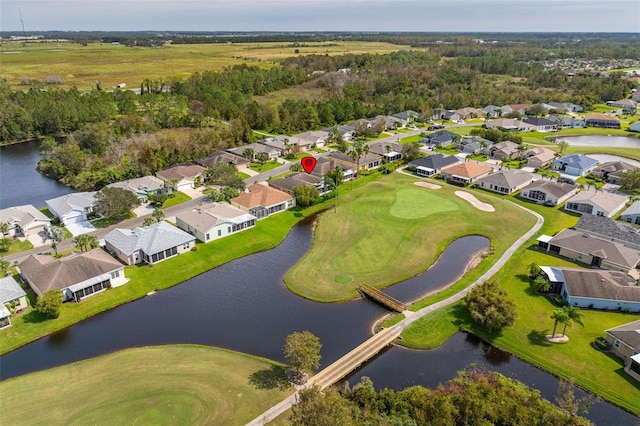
x=382 y=298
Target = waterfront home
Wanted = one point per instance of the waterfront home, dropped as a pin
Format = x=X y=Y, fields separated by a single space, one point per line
x=541 y=124
x=289 y=182
x=72 y=208
x=148 y=244
x=548 y=192
x=575 y=164
x=215 y=221
x=609 y=229
x=597 y=203
x=539 y=157
x=12 y=299
x=431 y=165
x=612 y=171
x=261 y=201
x=143 y=187
x=505 y=181
x=465 y=173
x=625 y=343
x=76 y=275
x=24 y=220
x=628 y=105
x=591 y=250
x=601 y=120
x=186 y=176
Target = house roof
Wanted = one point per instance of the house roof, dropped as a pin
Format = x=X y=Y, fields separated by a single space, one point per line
x=608 y=201
x=222 y=157
x=610 y=251
x=609 y=228
x=380 y=148
x=261 y=196
x=625 y=102
x=256 y=147
x=324 y=164
x=341 y=128
x=468 y=170
x=203 y=219
x=599 y=284
x=293 y=180
x=74 y=201
x=633 y=210
x=601 y=117
x=615 y=167
x=540 y=152
x=629 y=333
x=556 y=189
x=139 y=185
x=507 y=147
x=538 y=121
x=435 y=161
x=180 y=172
x=405 y=115
x=48 y=273
x=577 y=161
x=22 y=215
x=635 y=127
x=150 y=239
x=518 y=107
x=510 y=123
x=347 y=158
x=508 y=178
x=10 y=290
x=313 y=136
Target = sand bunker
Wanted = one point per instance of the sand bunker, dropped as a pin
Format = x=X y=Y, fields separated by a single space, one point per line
x=427 y=185
x=485 y=207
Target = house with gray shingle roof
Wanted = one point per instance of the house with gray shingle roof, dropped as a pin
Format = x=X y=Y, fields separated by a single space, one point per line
x=597 y=203
x=12 y=299
x=431 y=165
x=72 y=207
x=77 y=275
x=625 y=342
x=390 y=151
x=25 y=220
x=542 y=124
x=185 y=176
x=149 y=244
x=505 y=181
x=548 y=192
x=610 y=229
x=215 y=221
x=289 y=182
x=440 y=138
x=142 y=187
x=611 y=171
x=257 y=149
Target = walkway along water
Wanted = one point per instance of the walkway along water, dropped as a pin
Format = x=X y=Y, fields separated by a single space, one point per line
x=376 y=343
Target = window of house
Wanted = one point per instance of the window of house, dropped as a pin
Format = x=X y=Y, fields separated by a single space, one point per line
x=228 y=229
x=185 y=246
x=115 y=274
x=219 y=232
x=207 y=237
x=616 y=343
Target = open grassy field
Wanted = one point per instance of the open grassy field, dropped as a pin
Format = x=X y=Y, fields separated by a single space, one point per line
x=115 y=64
x=591 y=369
x=391 y=232
x=170 y=385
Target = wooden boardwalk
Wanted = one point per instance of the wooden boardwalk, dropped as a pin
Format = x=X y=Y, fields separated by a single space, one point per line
x=383 y=298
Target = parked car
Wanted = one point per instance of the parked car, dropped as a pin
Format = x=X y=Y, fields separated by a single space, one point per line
x=436 y=127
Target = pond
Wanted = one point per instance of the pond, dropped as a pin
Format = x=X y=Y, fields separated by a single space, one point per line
x=604 y=141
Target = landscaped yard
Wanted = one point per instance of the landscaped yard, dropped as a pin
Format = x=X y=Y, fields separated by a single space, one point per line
x=391 y=232
x=194 y=385
x=176 y=198
x=16 y=246
x=260 y=168
x=243 y=175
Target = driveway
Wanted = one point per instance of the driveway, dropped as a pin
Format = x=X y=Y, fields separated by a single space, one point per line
x=80 y=227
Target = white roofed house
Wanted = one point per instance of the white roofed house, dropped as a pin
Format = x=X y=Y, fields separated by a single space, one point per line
x=143 y=187
x=24 y=220
x=149 y=244
x=72 y=208
x=12 y=299
x=597 y=203
x=77 y=275
x=215 y=221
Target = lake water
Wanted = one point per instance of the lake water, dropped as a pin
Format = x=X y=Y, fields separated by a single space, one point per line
x=618 y=141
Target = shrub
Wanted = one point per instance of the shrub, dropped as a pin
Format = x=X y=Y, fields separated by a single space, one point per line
x=49 y=303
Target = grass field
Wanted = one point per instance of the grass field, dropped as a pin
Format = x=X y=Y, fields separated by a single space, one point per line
x=591 y=369
x=170 y=385
x=115 y=64
x=391 y=232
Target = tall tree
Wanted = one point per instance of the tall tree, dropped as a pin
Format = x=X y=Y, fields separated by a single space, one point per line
x=490 y=307
x=559 y=316
x=115 y=203
x=86 y=242
x=57 y=235
x=302 y=351
x=573 y=315
x=49 y=303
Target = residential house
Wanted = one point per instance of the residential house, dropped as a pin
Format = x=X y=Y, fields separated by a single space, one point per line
x=24 y=220
x=566 y=106
x=440 y=138
x=315 y=137
x=632 y=215
x=597 y=203
x=539 y=157
x=72 y=208
x=609 y=229
x=257 y=149
x=566 y=122
x=389 y=121
x=431 y=165
x=143 y=187
x=262 y=201
x=236 y=160
x=505 y=149
x=541 y=124
x=548 y=192
x=465 y=173
x=185 y=176
x=450 y=116
x=325 y=164
x=612 y=170
x=347 y=132
x=635 y=95
x=390 y=151
x=368 y=161
x=468 y=112
x=286 y=144
x=575 y=164
x=214 y=221
x=509 y=124
x=492 y=111
x=594 y=251
x=625 y=343
x=635 y=127
x=76 y=275
x=628 y=105
x=595 y=289
x=519 y=108
x=406 y=117
x=505 y=181
x=12 y=299
x=149 y=244
x=287 y=183
x=601 y=120
x=472 y=144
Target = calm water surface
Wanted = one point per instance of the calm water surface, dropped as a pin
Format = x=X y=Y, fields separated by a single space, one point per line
x=619 y=141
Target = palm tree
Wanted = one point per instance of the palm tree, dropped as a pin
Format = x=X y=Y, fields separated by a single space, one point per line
x=158 y=215
x=573 y=315
x=5 y=267
x=559 y=316
x=534 y=270
x=86 y=242
x=332 y=185
x=57 y=235
x=542 y=284
x=4 y=228
x=148 y=221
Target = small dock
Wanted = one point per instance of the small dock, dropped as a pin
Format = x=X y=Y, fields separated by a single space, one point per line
x=382 y=298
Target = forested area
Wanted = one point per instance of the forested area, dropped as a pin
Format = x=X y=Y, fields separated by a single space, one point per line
x=104 y=136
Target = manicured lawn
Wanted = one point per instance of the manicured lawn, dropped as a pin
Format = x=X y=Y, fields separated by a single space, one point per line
x=411 y=139
x=450 y=150
x=177 y=385
x=108 y=221
x=16 y=246
x=591 y=369
x=257 y=167
x=590 y=180
x=299 y=156
x=176 y=198
x=319 y=150
x=478 y=157
x=243 y=175
x=392 y=231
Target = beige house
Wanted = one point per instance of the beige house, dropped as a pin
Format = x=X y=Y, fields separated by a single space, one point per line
x=24 y=220
x=510 y=124
x=262 y=201
x=77 y=275
x=505 y=181
x=597 y=203
x=465 y=173
x=504 y=149
x=539 y=157
x=548 y=192
x=625 y=342
x=185 y=176
x=612 y=170
x=215 y=221
x=12 y=299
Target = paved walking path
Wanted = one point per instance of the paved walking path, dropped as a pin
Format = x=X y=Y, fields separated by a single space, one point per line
x=377 y=342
